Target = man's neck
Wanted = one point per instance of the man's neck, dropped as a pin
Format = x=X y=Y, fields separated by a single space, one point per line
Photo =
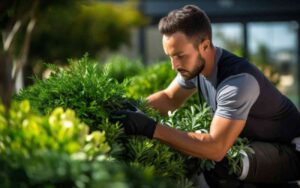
x=210 y=62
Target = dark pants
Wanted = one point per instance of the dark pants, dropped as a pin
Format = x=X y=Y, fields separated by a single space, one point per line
x=271 y=164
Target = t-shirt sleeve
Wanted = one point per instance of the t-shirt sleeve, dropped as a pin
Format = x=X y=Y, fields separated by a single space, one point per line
x=236 y=95
x=187 y=84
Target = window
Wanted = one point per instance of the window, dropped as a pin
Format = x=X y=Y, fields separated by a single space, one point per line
x=273 y=46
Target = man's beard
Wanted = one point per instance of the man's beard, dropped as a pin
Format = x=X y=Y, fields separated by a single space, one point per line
x=187 y=75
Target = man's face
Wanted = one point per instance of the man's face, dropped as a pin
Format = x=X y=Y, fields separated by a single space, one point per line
x=185 y=58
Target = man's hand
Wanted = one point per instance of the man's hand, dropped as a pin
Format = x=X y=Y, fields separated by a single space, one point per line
x=135 y=122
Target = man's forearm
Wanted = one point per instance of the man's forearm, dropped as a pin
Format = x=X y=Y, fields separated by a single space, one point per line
x=195 y=144
x=161 y=102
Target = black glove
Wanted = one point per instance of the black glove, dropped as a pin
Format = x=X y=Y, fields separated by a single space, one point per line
x=135 y=122
x=130 y=105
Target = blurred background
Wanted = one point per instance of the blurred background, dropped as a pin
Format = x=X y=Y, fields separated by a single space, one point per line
x=36 y=32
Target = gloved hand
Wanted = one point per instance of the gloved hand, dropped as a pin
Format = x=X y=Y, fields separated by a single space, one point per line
x=131 y=105
x=135 y=122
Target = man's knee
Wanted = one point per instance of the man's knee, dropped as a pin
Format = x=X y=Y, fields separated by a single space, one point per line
x=266 y=164
x=272 y=163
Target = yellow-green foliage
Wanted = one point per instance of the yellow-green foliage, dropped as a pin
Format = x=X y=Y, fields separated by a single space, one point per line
x=22 y=134
x=56 y=150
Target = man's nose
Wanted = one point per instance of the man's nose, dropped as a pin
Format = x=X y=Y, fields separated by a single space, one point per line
x=175 y=64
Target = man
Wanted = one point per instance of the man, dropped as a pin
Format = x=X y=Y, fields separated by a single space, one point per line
x=244 y=103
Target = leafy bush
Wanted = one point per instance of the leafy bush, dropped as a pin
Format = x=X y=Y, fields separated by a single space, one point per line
x=152 y=79
x=120 y=68
x=57 y=151
x=58 y=170
x=143 y=81
x=196 y=119
x=82 y=87
x=24 y=134
x=87 y=89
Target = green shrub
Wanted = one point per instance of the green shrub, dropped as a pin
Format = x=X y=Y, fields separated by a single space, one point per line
x=120 y=68
x=83 y=86
x=196 y=119
x=24 y=133
x=60 y=170
x=87 y=89
x=152 y=79
x=57 y=151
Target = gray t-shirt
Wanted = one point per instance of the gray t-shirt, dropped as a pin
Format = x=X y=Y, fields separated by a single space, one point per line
x=232 y=98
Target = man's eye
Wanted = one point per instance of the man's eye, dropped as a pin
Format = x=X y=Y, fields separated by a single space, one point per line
x=179 y=56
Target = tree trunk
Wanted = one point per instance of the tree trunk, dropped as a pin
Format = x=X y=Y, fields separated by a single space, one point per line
x=23 y=57
x=8 y=76
x=6 y=60
x=5 y=78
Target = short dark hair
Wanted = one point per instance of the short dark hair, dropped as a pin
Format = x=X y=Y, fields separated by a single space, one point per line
x=190 y=20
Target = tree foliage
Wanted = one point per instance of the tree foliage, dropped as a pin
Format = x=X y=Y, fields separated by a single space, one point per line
x=89 y=27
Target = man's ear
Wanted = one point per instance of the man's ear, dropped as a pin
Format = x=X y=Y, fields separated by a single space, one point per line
x=205 y=44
